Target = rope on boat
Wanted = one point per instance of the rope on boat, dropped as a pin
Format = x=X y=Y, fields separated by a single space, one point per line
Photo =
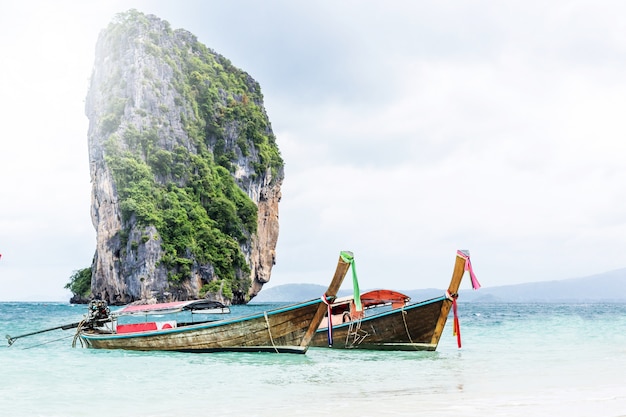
x=77 y=334
x=406 y=327
x=269 y=330
x=98 y=313
x=45 y=343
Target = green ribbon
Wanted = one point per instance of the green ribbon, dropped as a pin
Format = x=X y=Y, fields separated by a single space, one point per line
x=349 y=258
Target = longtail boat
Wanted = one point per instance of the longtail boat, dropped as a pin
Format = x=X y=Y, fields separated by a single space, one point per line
x=287 y=329
x=386 y=320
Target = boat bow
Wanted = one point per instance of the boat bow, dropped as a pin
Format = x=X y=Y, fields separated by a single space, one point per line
x=461 y=265
x=345 y=260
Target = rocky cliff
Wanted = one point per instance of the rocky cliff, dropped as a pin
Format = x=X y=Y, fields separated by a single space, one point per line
x=185 y=170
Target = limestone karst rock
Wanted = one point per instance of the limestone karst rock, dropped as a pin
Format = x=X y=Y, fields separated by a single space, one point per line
x=186 y=174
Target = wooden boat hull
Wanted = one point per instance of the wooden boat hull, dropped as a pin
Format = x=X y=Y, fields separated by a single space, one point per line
x=411 y=327
x=280 y=330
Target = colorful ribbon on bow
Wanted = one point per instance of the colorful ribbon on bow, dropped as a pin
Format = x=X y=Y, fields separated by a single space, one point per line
x=348 y=258
x=468 y=267
x=456 y=329
x=457 y=326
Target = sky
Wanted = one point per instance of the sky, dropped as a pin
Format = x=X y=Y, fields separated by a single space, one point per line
x=409 y=129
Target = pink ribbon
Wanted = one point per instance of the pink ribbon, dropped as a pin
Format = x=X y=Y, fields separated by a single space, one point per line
x=468 y=267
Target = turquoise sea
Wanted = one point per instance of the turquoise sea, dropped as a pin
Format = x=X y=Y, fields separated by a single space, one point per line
x=516 y=360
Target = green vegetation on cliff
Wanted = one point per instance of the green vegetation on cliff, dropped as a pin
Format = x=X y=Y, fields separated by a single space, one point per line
x=205 y=219
x=80 y=282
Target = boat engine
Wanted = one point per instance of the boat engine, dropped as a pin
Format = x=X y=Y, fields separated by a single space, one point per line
x=98 y=312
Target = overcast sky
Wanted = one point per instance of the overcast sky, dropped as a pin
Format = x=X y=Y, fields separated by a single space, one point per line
x=409 y=129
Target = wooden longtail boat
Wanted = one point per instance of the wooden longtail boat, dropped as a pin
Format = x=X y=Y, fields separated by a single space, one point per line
x=400 y=325
x=287 y=329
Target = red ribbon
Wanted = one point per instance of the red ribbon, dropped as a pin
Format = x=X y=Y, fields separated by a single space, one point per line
x=457 y=325
x=456 y=329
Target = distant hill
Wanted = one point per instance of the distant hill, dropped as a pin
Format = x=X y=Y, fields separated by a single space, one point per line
x=605 y=287
x=293 y=292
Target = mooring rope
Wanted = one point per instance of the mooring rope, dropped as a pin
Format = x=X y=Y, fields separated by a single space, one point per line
x=406 y=327
x=269 y=331
x=45 y=343
x=77 y=334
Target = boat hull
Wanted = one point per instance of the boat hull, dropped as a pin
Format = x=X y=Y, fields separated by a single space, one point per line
x=280 y=330
x=412 y=327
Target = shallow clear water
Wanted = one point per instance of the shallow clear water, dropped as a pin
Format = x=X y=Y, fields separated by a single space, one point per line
x=516 y=360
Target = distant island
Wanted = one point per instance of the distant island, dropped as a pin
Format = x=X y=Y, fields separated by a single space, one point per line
x=605 y=287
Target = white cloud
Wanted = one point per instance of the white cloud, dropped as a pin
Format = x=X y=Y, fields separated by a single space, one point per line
x=515 y=150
